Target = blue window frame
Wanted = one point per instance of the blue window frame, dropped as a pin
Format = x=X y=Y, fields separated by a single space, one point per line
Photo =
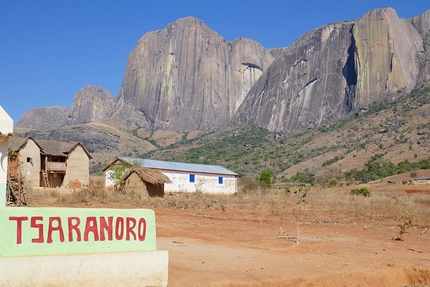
x=192 y=178
x=220 y=180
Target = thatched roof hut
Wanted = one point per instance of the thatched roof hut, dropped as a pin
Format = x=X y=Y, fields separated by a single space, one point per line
x=144 y=180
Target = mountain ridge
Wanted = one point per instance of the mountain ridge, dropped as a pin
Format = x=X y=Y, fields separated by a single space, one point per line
x=186 y=82
x=187 y=77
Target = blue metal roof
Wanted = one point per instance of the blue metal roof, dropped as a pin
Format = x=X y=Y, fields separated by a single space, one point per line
x=178 y=166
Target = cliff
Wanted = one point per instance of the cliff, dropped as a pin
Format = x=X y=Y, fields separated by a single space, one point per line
x=336 y=71
x=187 y=77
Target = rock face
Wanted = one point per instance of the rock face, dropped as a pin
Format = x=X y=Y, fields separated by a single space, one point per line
x=422 y=24
x=309 y=84
x=186 y=77
x=44 y=118
x=90 y=104
x=385 y=51
x=334 y=71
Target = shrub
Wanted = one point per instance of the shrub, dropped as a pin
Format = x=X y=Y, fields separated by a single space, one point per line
x=362 y=191
x=405 y=221
x=303 y=177
x=266 y=178
x=247 y=185
x=332 y=183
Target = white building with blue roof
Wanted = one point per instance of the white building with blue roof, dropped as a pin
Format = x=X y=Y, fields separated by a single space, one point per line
x=184 y=177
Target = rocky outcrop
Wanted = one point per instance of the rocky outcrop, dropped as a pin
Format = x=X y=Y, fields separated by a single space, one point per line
x=386 y=48
x=90 y=104
x=307 y=85
x=422 y=24
x=334 y=71
x=186 y=77
x=44 y=118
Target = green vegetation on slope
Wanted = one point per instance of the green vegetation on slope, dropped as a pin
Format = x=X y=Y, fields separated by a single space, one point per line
x=378 y=143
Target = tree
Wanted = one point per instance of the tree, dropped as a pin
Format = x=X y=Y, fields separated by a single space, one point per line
x=115 y=173
x=266 y=178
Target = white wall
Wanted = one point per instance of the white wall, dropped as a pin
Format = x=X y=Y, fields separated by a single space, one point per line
x=109 y=182
x=149 y=268
x=207 y=183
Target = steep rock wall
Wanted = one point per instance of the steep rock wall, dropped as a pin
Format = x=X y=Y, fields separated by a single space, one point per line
x=306 y=85
x=422 y=24
x=386 y=50
x=337 y=70
x=187 y=77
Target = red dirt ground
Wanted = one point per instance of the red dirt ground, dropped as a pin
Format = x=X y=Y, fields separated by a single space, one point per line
x=242 y=246
x=234 y=248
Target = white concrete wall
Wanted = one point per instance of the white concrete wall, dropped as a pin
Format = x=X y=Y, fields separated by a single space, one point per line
x=3 y=169
x=6 y=128
x=117 y=269
x=109 y=182
x=207 y=183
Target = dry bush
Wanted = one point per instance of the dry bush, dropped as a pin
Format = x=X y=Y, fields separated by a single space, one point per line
x=319 y=205
x=97 y=182
x=381 y=207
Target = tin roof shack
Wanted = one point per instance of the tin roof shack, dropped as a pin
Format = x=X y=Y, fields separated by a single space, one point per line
x=46 y=163
x=184 y=177
x=144 y=182
x=423 y=180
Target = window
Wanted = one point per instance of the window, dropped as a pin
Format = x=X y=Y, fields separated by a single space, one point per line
x=220 y=180
x=192 y=178
x=29 y=159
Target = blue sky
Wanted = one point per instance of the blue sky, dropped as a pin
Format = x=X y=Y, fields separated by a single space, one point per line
x=51 y=49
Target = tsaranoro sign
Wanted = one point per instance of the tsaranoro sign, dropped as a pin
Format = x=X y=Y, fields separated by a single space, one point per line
x=65 y=231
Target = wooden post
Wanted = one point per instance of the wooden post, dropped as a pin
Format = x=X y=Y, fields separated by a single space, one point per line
x=6 y=130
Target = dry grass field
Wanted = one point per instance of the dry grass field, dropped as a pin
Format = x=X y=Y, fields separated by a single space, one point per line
x=299 y=236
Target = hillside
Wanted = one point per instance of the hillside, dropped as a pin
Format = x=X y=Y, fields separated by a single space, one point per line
x=389 y=132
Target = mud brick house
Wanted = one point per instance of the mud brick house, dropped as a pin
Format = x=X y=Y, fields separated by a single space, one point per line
x=144 y=181
x=184 y=177
x=45 y=163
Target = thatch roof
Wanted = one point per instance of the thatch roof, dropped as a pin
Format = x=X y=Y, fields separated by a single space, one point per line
x=49 y=147
x=148 y=175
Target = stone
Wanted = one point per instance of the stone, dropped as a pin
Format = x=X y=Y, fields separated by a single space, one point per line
x=91 y=103
x=44 y=118
x=187 y=77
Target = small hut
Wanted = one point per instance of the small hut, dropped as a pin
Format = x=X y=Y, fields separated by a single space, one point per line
x=144 y=181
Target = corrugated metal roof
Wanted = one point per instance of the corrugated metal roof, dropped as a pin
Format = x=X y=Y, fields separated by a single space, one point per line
x=178 y=166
